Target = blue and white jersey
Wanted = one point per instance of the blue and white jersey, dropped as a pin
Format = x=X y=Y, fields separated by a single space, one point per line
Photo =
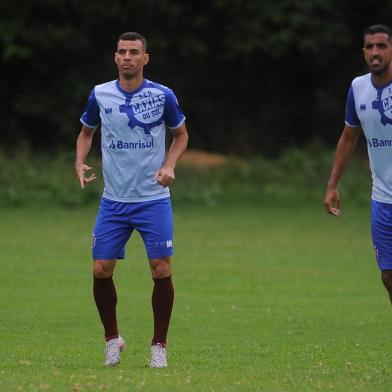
x=133 y=127
x=370 y=107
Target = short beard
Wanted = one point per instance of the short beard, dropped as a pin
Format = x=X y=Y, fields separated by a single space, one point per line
x=128 y=76
x=380 y=71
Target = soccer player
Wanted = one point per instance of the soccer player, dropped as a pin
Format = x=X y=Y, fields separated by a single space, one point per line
x=134 y=114
x=369 y=109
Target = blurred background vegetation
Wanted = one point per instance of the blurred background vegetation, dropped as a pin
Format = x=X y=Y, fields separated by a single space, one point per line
x=261 y=82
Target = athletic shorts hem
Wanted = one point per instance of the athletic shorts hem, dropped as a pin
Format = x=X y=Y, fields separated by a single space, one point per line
x=161 y=255
x=105 y=257
x=385 y=266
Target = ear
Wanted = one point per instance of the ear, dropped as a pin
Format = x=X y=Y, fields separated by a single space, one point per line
x=146 y=58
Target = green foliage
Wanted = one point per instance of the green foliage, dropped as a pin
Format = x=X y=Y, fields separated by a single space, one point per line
x=252 y=76
x=296 y=177
x=28 y=179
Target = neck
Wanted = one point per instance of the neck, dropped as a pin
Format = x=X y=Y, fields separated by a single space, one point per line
x=383 y=78
x=132 y=83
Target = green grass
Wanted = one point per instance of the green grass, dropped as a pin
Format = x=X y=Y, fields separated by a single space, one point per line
x=266 y=300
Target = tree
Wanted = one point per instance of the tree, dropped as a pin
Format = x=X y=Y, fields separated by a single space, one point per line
x=252 y=76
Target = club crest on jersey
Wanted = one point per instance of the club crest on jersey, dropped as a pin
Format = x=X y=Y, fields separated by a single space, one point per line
x=383 y=104
x=144 y=109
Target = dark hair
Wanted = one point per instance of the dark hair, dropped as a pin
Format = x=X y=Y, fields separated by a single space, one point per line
x=132 y=36
x=378 y=28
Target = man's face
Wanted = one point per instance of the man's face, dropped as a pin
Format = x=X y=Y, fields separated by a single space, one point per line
x=378 y=52
x=130 y=58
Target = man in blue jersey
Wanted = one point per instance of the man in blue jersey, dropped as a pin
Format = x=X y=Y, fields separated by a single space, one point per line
x=134 y=114
x=369 y=109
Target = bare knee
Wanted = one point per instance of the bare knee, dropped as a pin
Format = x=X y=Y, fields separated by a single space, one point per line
x=386 y=277
x=103 y=269
x=160 y=268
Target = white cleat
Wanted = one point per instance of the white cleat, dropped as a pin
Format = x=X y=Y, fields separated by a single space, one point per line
x=158 y=356
x=112 y=351
x=121 y=344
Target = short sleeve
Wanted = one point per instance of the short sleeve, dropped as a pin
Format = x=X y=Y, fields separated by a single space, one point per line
x=351 y=117
x=90 y=117
x=174 y=117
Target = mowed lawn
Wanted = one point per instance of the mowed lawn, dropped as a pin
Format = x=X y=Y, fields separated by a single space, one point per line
x=266 y=300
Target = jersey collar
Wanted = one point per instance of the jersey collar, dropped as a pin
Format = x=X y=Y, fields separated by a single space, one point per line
x=130 y=93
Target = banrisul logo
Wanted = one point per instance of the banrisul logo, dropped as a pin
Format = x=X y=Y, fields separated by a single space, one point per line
x=123 y=145
x=383 y=104
x=145 y=108
x=376 y=143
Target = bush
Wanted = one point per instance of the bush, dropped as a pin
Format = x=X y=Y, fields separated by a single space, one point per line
x=296 y=177
x=28 y=179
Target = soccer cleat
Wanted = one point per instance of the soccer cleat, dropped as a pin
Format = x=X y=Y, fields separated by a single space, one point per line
x=112 y=351
x=158 y=356
x=121 y=344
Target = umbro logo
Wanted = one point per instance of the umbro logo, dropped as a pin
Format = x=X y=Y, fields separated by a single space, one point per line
x=108 y=110
x=362 y=106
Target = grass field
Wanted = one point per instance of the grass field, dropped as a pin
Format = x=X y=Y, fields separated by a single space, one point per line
x=266 y=300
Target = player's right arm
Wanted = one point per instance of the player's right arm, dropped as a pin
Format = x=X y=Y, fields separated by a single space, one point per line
x=83 y=147
x=344 y=150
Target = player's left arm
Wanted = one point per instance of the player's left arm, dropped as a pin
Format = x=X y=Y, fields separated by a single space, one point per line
x=165 y=175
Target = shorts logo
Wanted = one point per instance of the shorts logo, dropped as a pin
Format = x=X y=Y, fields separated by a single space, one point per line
x=164 y=244
x=383 y=104
x=93 y=241
x=376 y=252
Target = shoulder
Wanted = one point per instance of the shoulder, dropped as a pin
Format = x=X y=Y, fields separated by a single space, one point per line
x=163 y=88
x=105 y=86
x=361 y=80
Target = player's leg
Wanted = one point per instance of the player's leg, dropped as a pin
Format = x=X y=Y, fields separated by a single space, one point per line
x=386 y=277
x=162 y=298
x=381 y=216
x=111 y=232
x=162 y=305
x=105 y=296
x=156 y=228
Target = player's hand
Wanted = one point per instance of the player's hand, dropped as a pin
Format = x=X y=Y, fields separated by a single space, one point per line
x=332 y=201
x=81 y=170
x=165 y=176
